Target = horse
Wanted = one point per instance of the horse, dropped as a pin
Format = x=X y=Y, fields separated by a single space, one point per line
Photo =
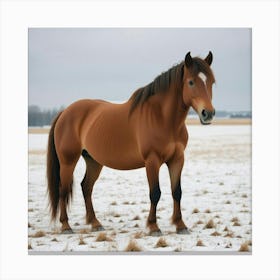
x=147 y=131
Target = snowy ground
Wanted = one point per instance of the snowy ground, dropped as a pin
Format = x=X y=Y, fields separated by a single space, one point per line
x=216 y=185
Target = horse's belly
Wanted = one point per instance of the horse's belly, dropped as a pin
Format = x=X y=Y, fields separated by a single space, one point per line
x=116 y=150
x=116 y=158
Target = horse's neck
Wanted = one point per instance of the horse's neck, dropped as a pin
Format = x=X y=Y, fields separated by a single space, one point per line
x=174 y=110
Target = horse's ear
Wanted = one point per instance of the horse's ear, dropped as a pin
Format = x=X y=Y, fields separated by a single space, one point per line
x=209 y=58
x=188 y=60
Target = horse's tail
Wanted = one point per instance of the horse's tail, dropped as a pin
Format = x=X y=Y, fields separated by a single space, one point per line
x=53 y=170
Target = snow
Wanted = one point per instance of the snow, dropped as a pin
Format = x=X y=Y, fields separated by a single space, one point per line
x=216 y=180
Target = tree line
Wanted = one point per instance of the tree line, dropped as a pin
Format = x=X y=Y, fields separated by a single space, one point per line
x=39 y=117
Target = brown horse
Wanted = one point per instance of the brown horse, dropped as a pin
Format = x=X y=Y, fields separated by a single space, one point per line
x=146 y=131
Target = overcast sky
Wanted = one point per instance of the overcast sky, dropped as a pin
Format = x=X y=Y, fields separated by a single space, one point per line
x=67 y=64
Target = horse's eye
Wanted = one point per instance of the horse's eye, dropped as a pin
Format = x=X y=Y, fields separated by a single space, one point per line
x=191 y=83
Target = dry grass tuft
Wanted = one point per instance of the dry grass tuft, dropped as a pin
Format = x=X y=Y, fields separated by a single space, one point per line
x=54 y=240
x=228 y=202
x=161 y=243
x=29 y=246
x=102 y=236
x=226 y=229
x=82 y=241
x=207 y=211
x=210 y=224
x=126 y=203
x=116 y=215
x=199 y=243
x=244 y=247
x=124 y=231
x=132 y=247
x=76 y=224
x=114 y=203
x=229 y=234
x=235 y=219
x=199 y=222
x=195 y=211
x=136 y=218
x=215 y=233
x=39 y=233
x=236 y=224
x=229 y=245
x=29 y=225
x=244 y=195
x=136 y=226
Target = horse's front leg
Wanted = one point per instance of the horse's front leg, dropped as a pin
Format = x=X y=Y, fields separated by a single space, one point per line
x=175 y=166
x=152 y=164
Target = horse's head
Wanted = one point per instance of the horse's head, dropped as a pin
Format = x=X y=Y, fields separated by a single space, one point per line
x=197 y=86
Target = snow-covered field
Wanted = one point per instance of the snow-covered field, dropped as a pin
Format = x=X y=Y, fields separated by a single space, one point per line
x=216 y=201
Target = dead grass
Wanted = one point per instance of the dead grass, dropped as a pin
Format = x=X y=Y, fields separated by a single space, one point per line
x=116 y=215
x=29 y=246
x=114 y=203
x=195 y=211
x=226 y=229
x=236 y=224
x=54 y=240
x=207 y=211
x=38 y=234
x=124 y=231
x=228 y=202
x=81 y=240
x=136 y=218
x=199 y=243
x=215 y=233
x=210 y=224
x=76 y=224
x=244 y=195
x=133 y=247
x=161 y=243
x=29 y=225
x=235 y=219
x=229 y=245
x=102 y=236
x=244 y=247
x=229 y=234
x=199 y=222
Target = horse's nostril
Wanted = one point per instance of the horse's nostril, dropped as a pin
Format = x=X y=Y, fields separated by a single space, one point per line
x=204 y=113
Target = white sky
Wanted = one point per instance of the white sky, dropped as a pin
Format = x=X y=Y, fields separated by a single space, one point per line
x=67 y=64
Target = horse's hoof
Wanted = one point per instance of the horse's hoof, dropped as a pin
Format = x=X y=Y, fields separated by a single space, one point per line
x=183 y=231
x=100 y=228
x=67 y=231
x=156 y=233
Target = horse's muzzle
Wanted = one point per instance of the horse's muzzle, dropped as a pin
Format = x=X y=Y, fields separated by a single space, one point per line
x=206 y=116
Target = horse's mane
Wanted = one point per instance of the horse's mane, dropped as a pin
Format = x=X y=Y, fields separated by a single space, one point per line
x=163 y=82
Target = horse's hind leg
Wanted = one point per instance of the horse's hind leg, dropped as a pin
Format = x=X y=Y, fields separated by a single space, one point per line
x=92 y=173
x=66 y=182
